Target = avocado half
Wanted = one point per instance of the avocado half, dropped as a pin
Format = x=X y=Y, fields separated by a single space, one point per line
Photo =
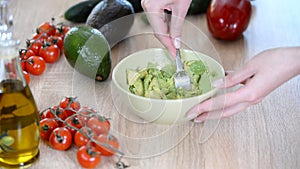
x=88 y=52
x=113 y=19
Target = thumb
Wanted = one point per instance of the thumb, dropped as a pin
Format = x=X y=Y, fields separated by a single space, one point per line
x=234 y=78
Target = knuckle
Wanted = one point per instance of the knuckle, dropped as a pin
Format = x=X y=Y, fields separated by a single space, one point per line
x=253 y=98
x=156 y=35
x=145 y=4
x=229 y=79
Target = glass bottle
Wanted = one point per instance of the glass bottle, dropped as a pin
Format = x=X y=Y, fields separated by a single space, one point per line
x=19 y=118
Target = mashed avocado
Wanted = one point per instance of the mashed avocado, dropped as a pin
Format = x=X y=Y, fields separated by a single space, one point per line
x=155 y=82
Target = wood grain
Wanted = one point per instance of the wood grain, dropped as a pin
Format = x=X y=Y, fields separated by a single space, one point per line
x=264 y=136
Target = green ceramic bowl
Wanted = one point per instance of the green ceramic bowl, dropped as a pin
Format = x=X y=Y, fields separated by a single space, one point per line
x=157 y=110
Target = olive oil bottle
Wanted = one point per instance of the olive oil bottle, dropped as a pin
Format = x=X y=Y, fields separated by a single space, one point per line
x=19 y=119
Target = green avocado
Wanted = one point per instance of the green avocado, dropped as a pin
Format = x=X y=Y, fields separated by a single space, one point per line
x=158 y=83
x=136 y=5
x=198 y=7
x=80 y=11
x=88 y=52
x=113 y=19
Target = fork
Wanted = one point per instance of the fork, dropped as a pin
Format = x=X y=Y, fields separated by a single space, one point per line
x=181 y=79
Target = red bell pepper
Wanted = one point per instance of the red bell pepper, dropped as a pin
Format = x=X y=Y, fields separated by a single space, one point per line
x=228 y=19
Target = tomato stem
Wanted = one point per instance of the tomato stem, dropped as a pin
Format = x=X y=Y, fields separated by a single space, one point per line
x=59 y=138
x=45 y=128
x=120 y=164
x=90 y=135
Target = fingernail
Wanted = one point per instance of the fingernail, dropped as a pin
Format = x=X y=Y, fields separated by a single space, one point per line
x=227 y=72
x=198 y=120
x=192 y=115
x=218 y=83
x=177 y=43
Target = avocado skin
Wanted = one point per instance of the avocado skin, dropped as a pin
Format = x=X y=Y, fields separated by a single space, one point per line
x=198 y=7
x=113 y=19
x=136 y=5
x=93 y=61
x=78 y=13
x=77 y=43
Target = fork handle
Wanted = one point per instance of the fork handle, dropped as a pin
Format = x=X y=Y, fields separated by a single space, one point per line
x=178 y=61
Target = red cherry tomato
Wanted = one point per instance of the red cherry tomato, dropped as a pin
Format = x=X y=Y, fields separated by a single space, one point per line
x=54 y=112
x=10 y=66
x=73 y=124
x=26 y=76
x=84 y=114
x=109 y=141
x=99 y=124
x=60 y=138
x=47 y=125
x=66 y=29
x=226 y=19
x=70 y=105
x=50 y=53
x=58 y=40
x=34 y=45
x=88 y=157
x=35 y=65
x=47 y=27
x=82 y=137
x=40 y=36
x=25 y=54
x=62 y=30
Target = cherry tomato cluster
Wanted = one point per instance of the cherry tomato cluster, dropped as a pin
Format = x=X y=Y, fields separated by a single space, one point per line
x=70 y=123
x=45 y=46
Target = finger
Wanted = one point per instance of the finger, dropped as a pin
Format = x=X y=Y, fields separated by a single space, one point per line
x=167 y=40
x=206 y=106
x=179 y=12
x=168 y=43
x=235 y=78
x=176 y=26
x=220 y=102
x=217 y=114
x=227 y=72
x=160 y=27
x=158 y=22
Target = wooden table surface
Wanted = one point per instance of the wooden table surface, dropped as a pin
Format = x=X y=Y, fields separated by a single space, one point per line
x=265 y=136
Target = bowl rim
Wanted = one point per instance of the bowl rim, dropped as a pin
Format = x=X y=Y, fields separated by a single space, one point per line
x=213 y=90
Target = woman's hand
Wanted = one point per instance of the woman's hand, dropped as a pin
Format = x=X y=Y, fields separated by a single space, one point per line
x=164 y=31
x=260 y=76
